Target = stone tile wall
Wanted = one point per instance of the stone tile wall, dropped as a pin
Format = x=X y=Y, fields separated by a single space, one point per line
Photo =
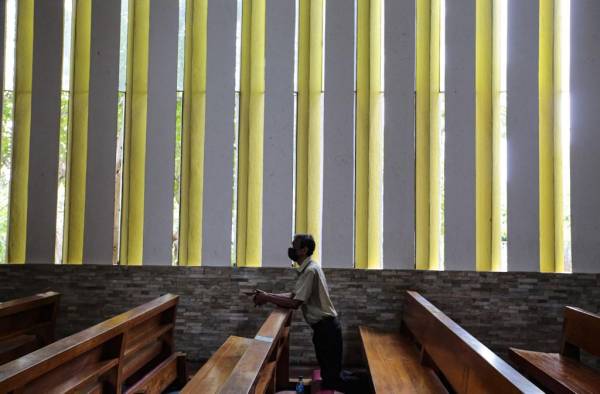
x=500 y=309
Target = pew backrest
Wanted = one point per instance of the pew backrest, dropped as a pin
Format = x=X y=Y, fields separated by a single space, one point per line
x=96 y=359
x=581 y=330
x=26 y=324
x=33 y=314
x=149 y=337
x=466 y=364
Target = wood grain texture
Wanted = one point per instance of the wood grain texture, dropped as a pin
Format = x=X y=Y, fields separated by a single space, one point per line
x=557 y=373
x=270 y=338
x=102 y=357
x=395 y=366
x=217 y=369
x=446 y=350
x=157 y=380
x=275 y=323
x=28 y=303
x=15 y=347
x=27 y=324
x=563 y=372
x=477 y=369
x=244 y=376
x=243 y=365
x=581 y=329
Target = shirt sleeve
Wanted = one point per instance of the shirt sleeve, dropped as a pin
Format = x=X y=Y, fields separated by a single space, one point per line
x=304 y=286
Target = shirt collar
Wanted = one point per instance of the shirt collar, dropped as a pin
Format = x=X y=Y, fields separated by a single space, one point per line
x=303 y=265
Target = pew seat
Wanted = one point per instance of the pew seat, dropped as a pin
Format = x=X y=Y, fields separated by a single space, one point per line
x=434 y=354
x=395 y=364
x=557 y=373
x=563 y=372
x=26 y=324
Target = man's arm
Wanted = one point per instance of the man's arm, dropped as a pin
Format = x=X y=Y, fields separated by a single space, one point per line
x=301 y=293
x=288 y=295
x=284 y=300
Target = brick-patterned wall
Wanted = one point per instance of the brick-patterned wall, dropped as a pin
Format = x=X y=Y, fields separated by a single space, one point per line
x=500 y=309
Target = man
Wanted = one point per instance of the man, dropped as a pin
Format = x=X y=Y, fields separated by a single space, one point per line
x=312 y=296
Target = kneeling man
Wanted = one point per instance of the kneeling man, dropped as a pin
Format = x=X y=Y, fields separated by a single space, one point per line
x=312 y=296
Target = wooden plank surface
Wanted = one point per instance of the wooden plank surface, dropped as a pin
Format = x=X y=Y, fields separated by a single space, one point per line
x=246 y=372
x=477 y=369
x=71 y=374
x=218 y=368
x=27 y=324
x=76 y=382
x=557 y=373
x=149 y=335
x=16 y=347
x=26 y=303
x=395 y=366
x=134 y=362
x=265 y=378
x=242 y=364
x=563 y=372
x=581 y=329
x=44 y=361
x=157 y=380
x=273 y=326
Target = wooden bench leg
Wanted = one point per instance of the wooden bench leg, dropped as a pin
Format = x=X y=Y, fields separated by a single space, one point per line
x=182 y=376
x=282 y=371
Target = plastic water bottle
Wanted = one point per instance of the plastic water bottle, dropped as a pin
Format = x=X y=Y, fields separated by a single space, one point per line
x=300 y=385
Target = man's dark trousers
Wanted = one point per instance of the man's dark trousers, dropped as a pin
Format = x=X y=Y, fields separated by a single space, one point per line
x=327 y=338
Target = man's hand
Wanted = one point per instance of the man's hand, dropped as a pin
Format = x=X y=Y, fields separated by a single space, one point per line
x=260 y=297
x=284 y=300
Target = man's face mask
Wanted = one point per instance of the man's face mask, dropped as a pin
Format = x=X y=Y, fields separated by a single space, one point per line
x=293 y=255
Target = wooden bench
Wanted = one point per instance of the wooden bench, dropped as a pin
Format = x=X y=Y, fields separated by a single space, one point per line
x=244 y=365
x=132 y=352
x=446 y=359
x=563 y=372
x=27 y=324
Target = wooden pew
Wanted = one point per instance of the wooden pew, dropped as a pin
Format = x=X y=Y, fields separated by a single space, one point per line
x=243 y=365
x=563 y=372
x=219 y=367
x=27 y=324
x=449 y=359
x=132 y=352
